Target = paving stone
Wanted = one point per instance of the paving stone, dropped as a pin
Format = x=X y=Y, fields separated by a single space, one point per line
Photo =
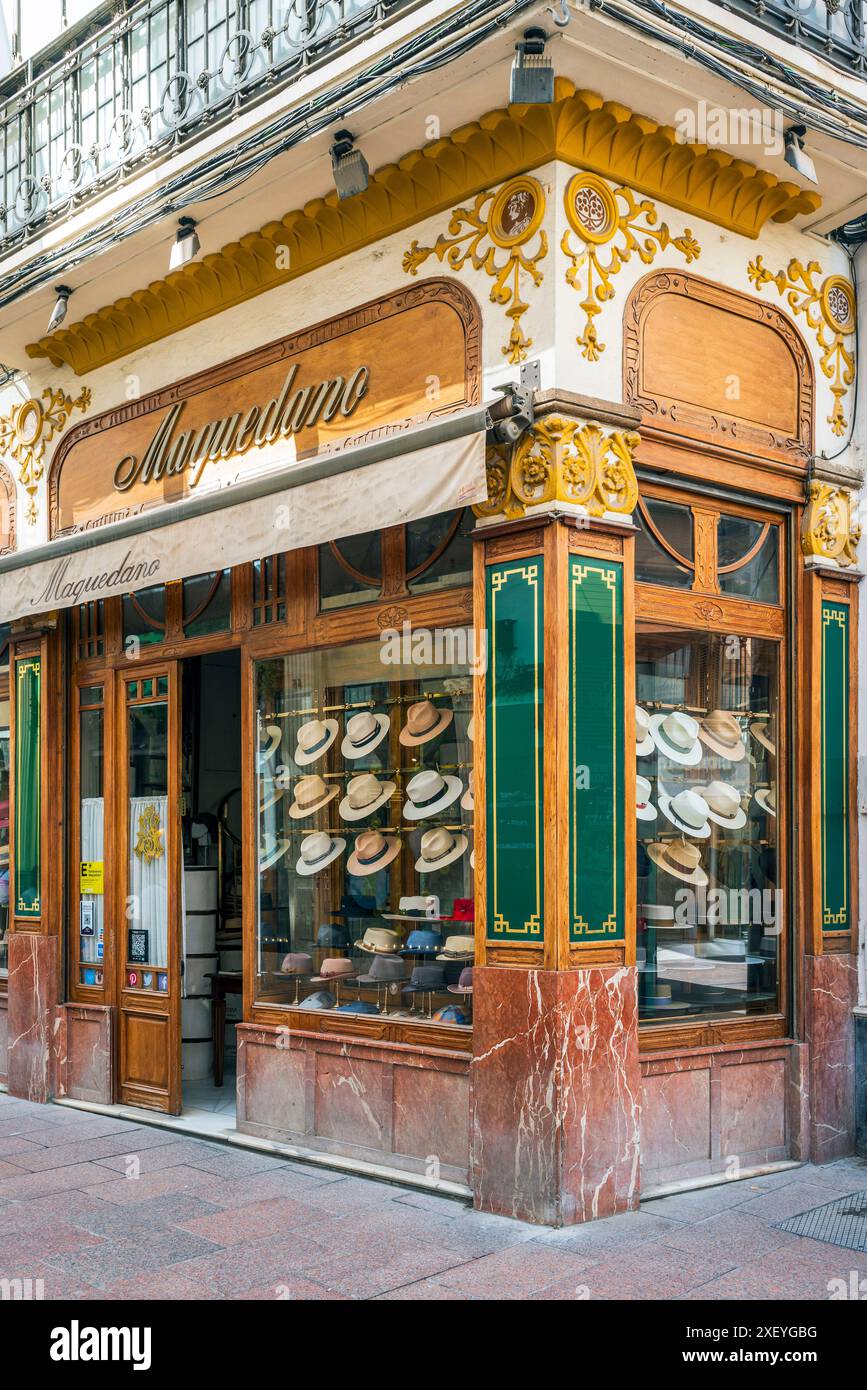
x=738 y=1236
x=613 y=1233
x=52 y=1180
x=118 y=1146
x=651 y=1272
x=115 y=1260
x=123 y=1190
x=233 y=1225
x=169 y=1154
x=517 y=1271
x=797 y=1197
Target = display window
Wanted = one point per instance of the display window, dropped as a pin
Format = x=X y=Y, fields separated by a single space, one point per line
x=4 y=802
x=710 y=763
x=365 y=856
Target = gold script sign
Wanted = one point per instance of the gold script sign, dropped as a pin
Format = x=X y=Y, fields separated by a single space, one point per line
x=389 y=364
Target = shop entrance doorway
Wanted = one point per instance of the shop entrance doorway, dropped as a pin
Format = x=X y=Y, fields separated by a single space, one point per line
x=182 y=884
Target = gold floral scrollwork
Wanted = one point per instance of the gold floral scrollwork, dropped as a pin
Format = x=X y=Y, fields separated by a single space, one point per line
x=493 y=236
x=828 y=309
x=149 y=843
x=565 y=461
x=599 y=216
x=830 y=529
x=29 y=427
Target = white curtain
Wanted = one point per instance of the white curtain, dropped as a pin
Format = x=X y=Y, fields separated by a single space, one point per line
x=92 y=851
x=149 y=881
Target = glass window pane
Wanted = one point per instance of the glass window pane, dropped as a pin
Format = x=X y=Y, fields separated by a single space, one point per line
x=147 y=912
x=364 y=775
x=710 y=890
x=91 y=924
x=350 y=571
x=144 y=616
x=208 y=603
x=439 y=551
x=748 y=558
x=664 y=527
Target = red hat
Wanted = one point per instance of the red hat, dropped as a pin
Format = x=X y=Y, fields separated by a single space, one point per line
x=463 y=910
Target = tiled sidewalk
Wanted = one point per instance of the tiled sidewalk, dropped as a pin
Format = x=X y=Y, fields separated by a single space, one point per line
x=205 y=1221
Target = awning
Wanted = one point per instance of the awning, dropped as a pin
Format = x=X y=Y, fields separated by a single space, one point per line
x=432 y=468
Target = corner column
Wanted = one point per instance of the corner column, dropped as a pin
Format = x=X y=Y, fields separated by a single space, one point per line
x=556 y=1080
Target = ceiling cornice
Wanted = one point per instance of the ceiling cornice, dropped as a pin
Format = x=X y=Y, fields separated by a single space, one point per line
x=578 y=127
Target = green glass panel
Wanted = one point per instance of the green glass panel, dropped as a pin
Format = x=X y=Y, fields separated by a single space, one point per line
x=91 y=695
x=514 y=722
x=596 y=756
x=162 y=685
x=836 y=869
x=28 y=776
x=147 y=688
x=132 y=690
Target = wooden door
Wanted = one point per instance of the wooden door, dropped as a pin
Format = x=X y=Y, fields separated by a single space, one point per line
x=150 y=909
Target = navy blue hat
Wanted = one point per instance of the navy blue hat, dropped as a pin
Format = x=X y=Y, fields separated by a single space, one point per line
x=332 y=936
x=321 y=999
x=358 y=1006
x=422 y=941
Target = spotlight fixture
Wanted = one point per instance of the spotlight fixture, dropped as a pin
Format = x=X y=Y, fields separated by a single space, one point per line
x=58 y=313
x=795 y=154
x=351 y=172
x=510 y=416
x=186 y=245
x=532 y=73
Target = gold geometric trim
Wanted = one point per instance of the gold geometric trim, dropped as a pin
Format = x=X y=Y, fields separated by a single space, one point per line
x=578 y=127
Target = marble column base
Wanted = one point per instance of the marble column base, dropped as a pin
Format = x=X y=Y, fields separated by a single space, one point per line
x=831 y=991
x=33 y=981
x=861 y=1082
x=556 y=1086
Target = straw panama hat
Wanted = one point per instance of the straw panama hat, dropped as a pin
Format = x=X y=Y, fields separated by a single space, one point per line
x=767 y=799
x=364 y=795
x=679 y=859
x=314 y=740
x=643 y=740
x=763 y=732
x=271 y=850
x=317 y=851
x=310 y=794
x=423 y=722
x=379 y=941
x=364 y=733
x=429 y=792
x=471 y=732
x=467 y=800
x=458 y=948
x=270 y=736
x=643 y=808
x=687 y=810
x=373 y=851
x=722 y=734
x=724 y=805
x=438 y=848
x=676 y=736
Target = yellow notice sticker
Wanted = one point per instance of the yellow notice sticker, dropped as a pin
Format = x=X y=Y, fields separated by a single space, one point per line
x=91 y=877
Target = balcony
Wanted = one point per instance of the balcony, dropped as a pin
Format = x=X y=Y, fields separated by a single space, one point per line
x=148 y=78
x=834 y=29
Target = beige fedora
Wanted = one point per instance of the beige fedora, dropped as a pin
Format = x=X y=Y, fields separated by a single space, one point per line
x=310 y=794
x=364 y=795
x=379 y=941
x=687 y=811
x=270 y=737
x=676 y=736
x=423 y=722
x=763 y=732
x=458 y=948
x=364 y=732
x=643 y=741
x=268 y=796
x=722 y=734
x=314 y=740
x=438 y=848
x=766 y=798
x=429 y=792
x=468 y=800
x=471 y=730
x=724 y=805
x=679 y=859
x=373 y=851
x=318 y=850
x=644 y=809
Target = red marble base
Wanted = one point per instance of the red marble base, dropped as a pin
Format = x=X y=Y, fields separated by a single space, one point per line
x=831 y=989
x=4 y=1035
x=33 y=983
x=556 y=1088
x=83 y=1053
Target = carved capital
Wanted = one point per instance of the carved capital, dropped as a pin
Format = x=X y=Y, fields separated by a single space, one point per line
x=562 y=460
x=830 y=529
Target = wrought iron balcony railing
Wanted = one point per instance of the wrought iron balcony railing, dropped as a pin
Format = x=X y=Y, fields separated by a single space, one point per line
x=146 y=78
x=837 y=29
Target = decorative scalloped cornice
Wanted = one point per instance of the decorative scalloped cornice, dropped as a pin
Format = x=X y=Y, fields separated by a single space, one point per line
x=578 y=127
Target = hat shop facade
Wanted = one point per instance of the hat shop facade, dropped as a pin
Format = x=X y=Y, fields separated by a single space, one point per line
x=479 y=809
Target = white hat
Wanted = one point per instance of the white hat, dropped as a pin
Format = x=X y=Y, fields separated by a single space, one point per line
x=470 y=729
x=364 y=795
x=643 y=808
x=467 y=800
x=687 y=810
x=428 y=792
x=438 y=848
x=724 y=805
x=314 y=740
x=270 y=736
x=676 y=735
x=767 y=799
x=763 y=732
x=317 y=851
x=270 y=850
x=643 y=739
x=364 y=732
x=422 y=908
x=679 y=859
